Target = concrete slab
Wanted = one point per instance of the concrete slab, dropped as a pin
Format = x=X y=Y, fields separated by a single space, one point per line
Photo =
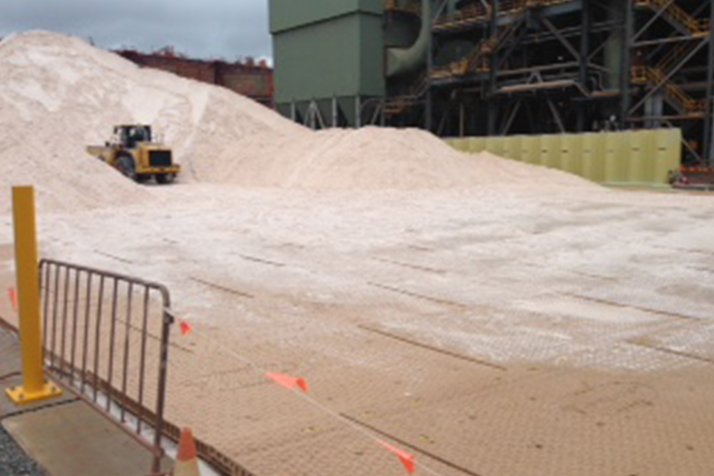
x=8 y=408
x=74 y=440
x=9 y=353
x=9 y=365
x=65 y=436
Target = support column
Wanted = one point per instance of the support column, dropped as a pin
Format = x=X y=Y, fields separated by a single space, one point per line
x=625 y=79
x=709 y=123
x=313 y=115
x=428 y=103
x=462 y=119
x=493 y=77
x=492 y=118
x=584 y=60
x=428 y=112
x=34 y=387
x=654 y=108
x=334 y=112
x=358 y=112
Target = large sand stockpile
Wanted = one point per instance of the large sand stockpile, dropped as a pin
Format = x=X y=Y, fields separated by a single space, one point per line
x=58 y=94
x=370 y=158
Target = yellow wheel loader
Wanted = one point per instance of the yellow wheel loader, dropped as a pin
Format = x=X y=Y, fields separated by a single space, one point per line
x=133 y=153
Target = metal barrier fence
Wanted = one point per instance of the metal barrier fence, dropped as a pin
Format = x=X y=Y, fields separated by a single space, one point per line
x=106 y=336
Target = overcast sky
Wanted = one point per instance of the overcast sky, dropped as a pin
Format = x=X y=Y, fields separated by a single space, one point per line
x=201 y=28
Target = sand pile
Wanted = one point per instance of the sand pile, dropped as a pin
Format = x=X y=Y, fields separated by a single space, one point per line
x=44 y=117
x=369 y=158
x=59 y=94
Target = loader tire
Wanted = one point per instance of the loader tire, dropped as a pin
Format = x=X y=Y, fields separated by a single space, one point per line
x=164 y=179
x=126 y=166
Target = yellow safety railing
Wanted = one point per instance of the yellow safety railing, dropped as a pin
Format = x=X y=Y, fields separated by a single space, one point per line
x=405 y=6
x=477 y=59
x=644 y=74
x=472 y=14
x=399 y=104
x=478 y=13
x=696 y=26
x=675 y=55
x=419 y=86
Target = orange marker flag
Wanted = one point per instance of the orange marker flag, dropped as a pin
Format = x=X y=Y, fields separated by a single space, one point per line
x=406 y=458
x=185 y=328
x=288 y=382
x=12 y=294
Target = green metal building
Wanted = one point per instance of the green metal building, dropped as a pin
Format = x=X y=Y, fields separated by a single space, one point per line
x=329 y=59
x=476 y=68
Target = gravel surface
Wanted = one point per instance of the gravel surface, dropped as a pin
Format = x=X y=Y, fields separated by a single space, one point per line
x=14 y=461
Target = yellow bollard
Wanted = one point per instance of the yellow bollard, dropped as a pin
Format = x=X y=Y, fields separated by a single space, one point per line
x=34 y=385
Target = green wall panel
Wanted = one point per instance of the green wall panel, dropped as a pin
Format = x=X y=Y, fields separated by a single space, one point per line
x=530 y=149
x=614 y=158
x=665 y=142
x=327 y=48
x=495 y=145
x=641 y=150
x=550 y=151
x=571 y=152
x=592 y=160
x=342 y=57
x=461 y=144
x=289 y=14
x=615 y=167
x=371 y=39
x=512 y=148
x=476 y=144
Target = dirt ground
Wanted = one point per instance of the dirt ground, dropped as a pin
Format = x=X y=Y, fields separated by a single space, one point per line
x=491 y=332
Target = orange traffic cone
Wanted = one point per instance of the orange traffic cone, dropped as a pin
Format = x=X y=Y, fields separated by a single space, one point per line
x=12 y=294
x=186 y=461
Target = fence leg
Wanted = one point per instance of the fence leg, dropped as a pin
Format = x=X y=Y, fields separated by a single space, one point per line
x=34 y=387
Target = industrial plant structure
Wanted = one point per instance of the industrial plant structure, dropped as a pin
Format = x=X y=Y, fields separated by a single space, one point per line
x=490 y=67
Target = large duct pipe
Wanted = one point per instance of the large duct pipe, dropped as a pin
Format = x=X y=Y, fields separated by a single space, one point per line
x=407 y=60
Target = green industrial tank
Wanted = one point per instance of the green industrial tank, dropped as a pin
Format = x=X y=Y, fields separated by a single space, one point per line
x=329 y=59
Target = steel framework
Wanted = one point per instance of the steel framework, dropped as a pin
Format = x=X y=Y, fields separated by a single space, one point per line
x=548 y=66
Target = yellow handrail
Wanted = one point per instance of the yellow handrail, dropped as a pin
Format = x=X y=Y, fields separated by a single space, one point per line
x=478 y=12
x=695 y=26
x=408 y=6
x=479 y=53
x=642 y=74
x=676 y=54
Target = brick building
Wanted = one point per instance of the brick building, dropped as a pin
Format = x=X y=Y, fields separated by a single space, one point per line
x=249 y=78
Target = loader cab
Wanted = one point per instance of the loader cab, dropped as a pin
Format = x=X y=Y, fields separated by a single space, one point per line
x=130 y=136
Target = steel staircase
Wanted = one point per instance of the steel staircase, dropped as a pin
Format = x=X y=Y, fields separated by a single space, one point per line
x=404 y=6
x=677 y=15
x=478 y=13
x=675 y=95
x=399 y=104
x=478 y=59
x=658 y=74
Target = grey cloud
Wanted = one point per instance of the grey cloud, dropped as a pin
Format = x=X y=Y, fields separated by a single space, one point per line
x=207 y=29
